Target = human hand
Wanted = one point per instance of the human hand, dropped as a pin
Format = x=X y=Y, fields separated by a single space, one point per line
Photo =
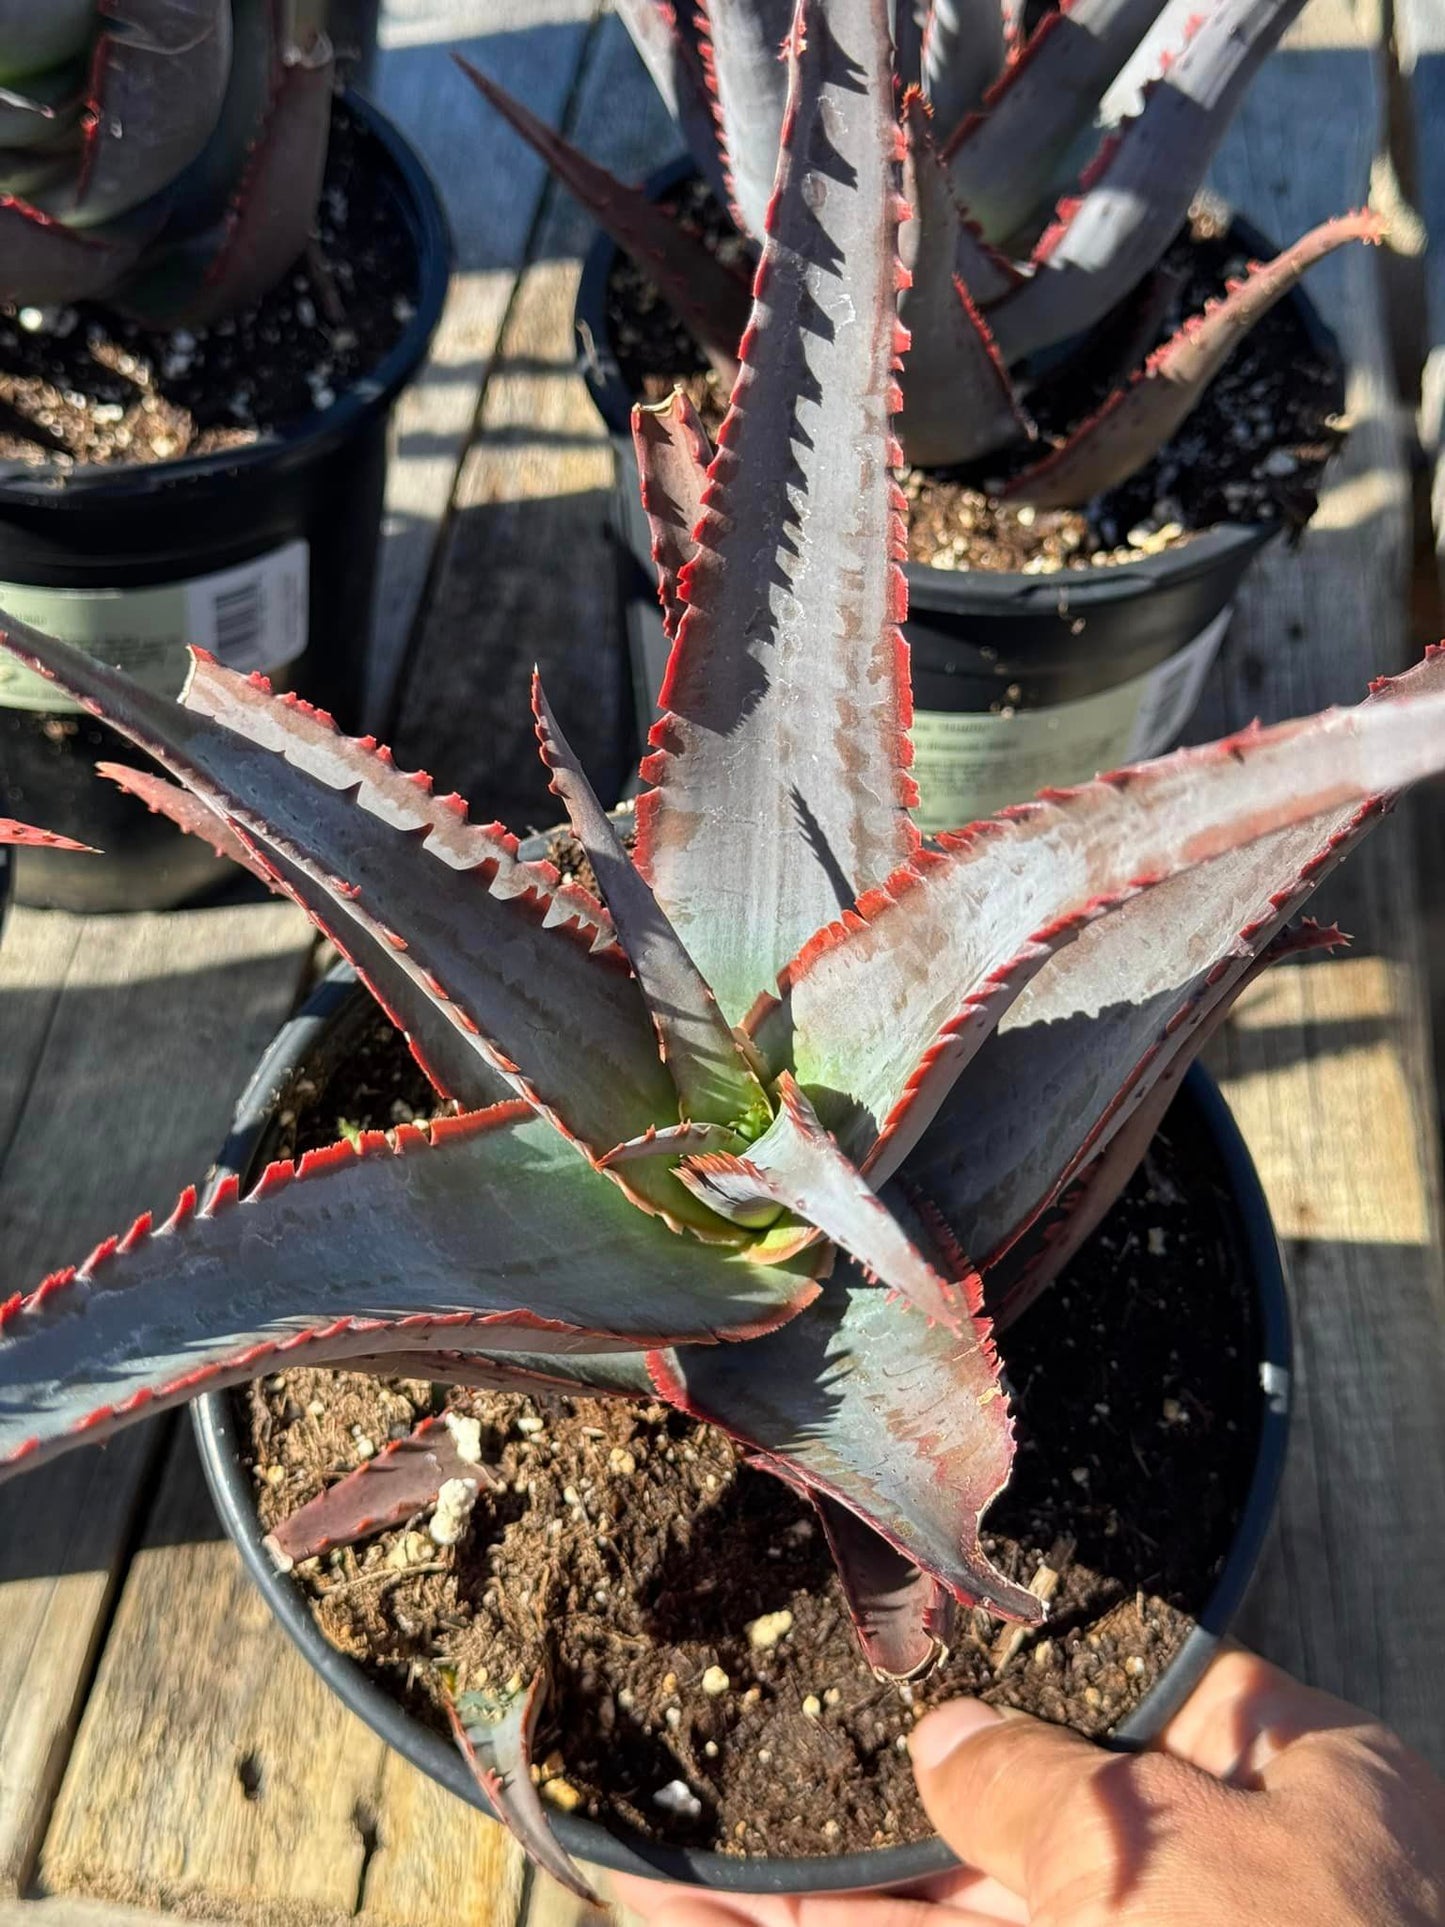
x=1266 y=1804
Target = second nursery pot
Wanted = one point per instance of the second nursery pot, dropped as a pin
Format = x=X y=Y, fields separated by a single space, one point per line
x=334 y=1026
x=1019 y=680
x=263 y=553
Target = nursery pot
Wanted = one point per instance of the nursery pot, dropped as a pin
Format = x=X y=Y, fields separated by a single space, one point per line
x=325 y=1032
x=1019 y=681
x=265 y=554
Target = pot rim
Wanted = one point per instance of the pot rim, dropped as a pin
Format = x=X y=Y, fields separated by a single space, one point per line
x=316 y=433
x=587 y=1839
x=1222 y=545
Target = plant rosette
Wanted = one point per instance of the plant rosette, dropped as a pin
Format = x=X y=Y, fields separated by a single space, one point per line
x=195 y=394
x=275 y=1449
x=1110 y=396
x=1021 y=677
x=779 y=1118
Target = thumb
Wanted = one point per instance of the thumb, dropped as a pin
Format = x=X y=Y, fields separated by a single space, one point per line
x=1002 y=1791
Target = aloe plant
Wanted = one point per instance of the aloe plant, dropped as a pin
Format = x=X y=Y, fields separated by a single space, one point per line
x=787 y=1122
x=1034 y=207
x=162 y=156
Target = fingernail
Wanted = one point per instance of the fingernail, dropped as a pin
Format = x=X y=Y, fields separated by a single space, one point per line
x=947 y=1728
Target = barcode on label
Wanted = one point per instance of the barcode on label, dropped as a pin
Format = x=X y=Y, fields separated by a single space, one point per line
x=239 y=615
x=253 y=616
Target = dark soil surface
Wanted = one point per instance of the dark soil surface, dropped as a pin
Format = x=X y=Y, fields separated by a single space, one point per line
x=1253 y=450
x=102 y=390
x=635 y=1553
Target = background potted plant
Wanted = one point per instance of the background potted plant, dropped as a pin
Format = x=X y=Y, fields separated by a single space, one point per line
x=754 y=1112
x=216 y=276
x=1083 y=492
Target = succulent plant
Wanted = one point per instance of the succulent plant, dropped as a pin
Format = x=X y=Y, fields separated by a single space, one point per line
x=792 y=1117
x=163 y=156
x=1035 y=208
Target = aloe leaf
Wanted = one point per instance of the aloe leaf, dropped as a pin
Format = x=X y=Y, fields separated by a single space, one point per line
x=445 y=1054
x=674 y=1141
x=28 y=836
x=742 y=43
x=589 y=1374
x=1091 y=1195
x=404 y=1478
x=797 y=1165
x=505 y=955
x=889 y=1416
x=271 y=213
x=188 y=813
x=44 y=262
x=1136 y=420
x=963 y=53
x=704 y=293
x=39 y=34
x=666 y=38
x=958 y=401
x=673 y=453
x=157 y=81
x=879 y=1014
x=902 y=1616
x=1135 y=194
x=715 y=1083
x=1140 y=986
x=495 y=1735
x=789 y=666
x=1144 y=983
x=1003 y=159
x=483 y=1226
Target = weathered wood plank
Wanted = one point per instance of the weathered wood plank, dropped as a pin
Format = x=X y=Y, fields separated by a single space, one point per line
x=62 y=1912
x=436 y=1861
x=1327 y=1066
x=534 y=51
x=212 y=1768
x=527 y=570
x=122 y=1043
x=215 y=1773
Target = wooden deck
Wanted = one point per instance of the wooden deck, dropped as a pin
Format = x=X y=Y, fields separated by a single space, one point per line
x=162 y=1750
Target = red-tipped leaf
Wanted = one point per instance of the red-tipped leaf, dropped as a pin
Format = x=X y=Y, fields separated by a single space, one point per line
x=271 y=213
x=1136 y=420
x=741 y=42
x=958 y=401
x=1003 y=159
x=780 y=770
x=1136 y=192
x=797 y=1165
x=494 y=944
x=27 y=836
x=404 y=1479
x=704 y=293
x=673 y=454
x=715 y=1082
x=902 y=1616
x=900 y=1421
x=882 y=1012
x=482 y=1228
x=495 y=1736
x=963 y=52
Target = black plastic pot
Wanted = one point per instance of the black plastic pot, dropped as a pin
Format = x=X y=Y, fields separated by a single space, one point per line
x=1018 y=680
x=297 y=515
x=333 y=1016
